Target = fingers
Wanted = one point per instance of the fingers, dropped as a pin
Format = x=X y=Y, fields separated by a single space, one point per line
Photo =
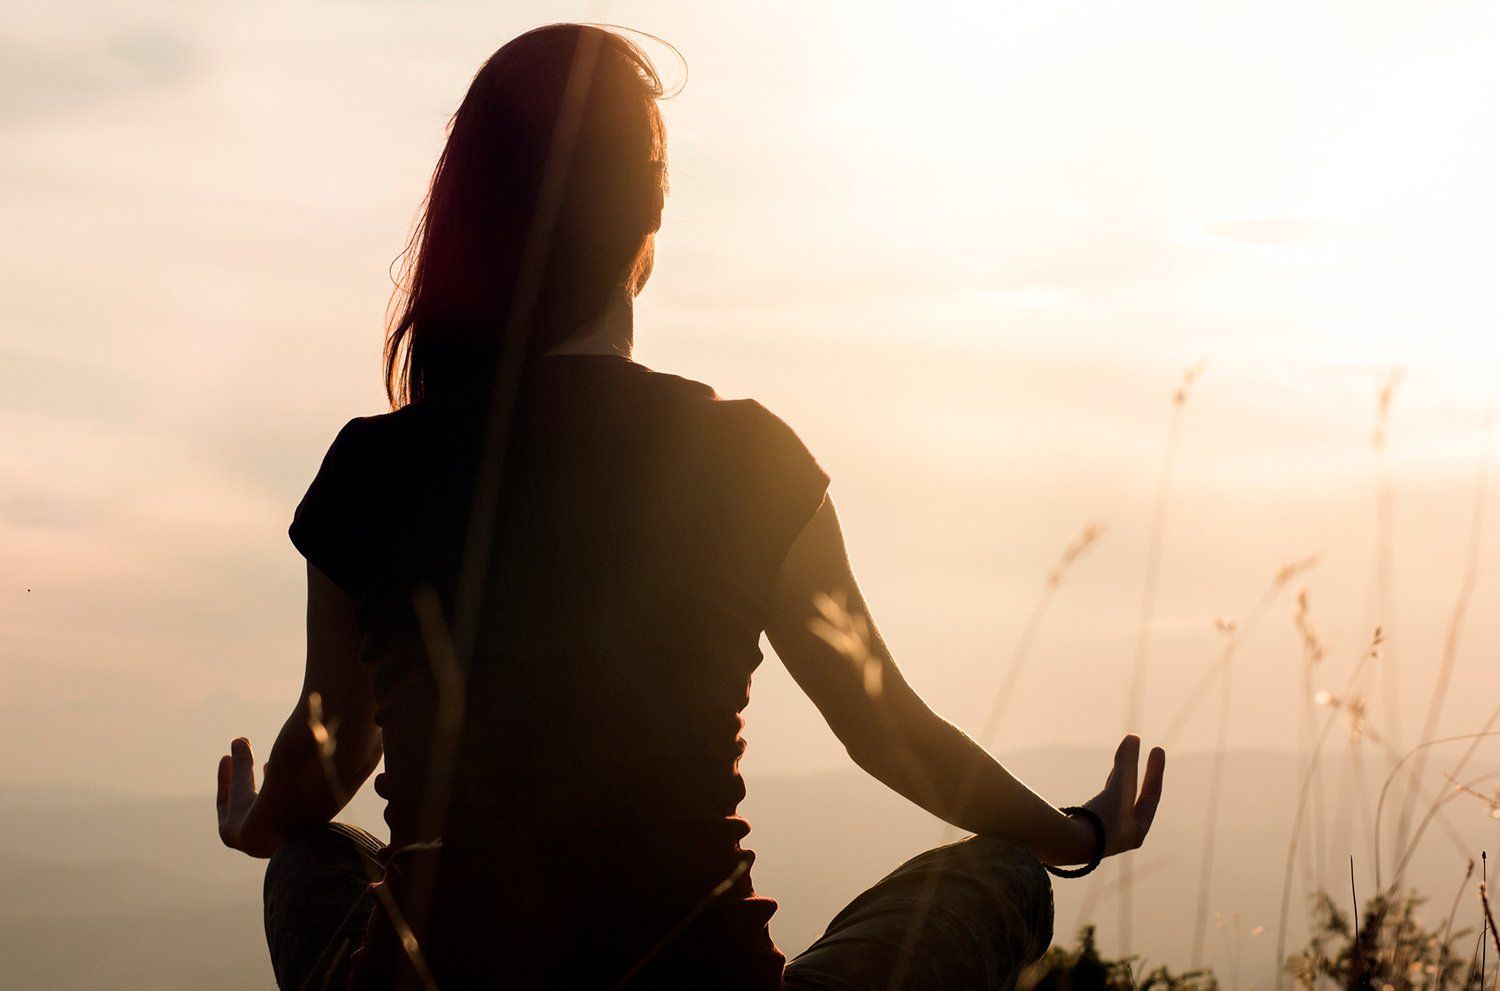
x=242 y=776
x=226 y=770
x=1127 y=768
x=1145 y=808
x=1128 y=806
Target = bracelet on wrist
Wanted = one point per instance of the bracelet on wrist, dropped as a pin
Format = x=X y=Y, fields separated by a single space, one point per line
x=1092 y=818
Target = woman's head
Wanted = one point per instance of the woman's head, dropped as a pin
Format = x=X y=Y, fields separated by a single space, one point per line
x=541 y=212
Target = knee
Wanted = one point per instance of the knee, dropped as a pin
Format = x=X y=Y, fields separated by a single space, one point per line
x=335 y=845
x=1004 y=861
x=1018 y=883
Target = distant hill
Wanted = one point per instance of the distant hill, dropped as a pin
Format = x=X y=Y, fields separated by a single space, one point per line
x=126 y=892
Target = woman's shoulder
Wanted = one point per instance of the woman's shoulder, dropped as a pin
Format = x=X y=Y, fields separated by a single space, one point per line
x=749 y=420
x=741 y=411
x=365 y=441
x=409 y=420
x=678 y=387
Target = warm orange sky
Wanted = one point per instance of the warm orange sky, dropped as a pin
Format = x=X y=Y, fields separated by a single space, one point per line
x=967 y=251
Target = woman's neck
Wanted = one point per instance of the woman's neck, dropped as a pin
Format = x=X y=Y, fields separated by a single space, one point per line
x=612 y=333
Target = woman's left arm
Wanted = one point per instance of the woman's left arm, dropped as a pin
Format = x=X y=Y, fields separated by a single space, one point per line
x=326 y=749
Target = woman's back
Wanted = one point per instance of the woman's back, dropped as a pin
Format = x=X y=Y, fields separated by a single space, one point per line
x=563 y=811
x=641 y=524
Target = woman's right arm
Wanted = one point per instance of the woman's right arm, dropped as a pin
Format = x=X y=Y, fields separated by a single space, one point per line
x=890 y=732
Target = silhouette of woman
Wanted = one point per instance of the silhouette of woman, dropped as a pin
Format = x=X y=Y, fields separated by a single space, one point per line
x=537 y=588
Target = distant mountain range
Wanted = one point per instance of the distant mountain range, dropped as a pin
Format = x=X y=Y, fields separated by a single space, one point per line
x=113 y=890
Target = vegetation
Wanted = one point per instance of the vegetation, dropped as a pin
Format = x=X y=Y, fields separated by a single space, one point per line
x=1083 y=969
x=1389 y=949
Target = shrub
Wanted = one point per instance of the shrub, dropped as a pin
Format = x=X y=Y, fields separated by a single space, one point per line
x=1084 y=969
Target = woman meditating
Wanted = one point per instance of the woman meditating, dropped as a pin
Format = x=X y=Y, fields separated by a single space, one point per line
x=537 y=587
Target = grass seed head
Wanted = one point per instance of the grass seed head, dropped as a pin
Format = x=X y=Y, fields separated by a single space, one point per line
x=1185 y=387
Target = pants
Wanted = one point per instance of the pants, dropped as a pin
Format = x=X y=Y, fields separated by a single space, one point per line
x=965 y=916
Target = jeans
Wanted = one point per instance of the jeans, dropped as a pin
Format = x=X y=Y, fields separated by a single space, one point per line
x=965 y=916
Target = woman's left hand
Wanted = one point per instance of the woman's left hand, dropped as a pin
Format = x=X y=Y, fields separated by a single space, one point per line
x=235 y=799
x=1127 y=811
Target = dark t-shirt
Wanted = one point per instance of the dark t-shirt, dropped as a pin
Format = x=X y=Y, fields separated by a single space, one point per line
x=642 y=520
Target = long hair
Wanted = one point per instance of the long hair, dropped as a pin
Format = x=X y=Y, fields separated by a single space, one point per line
x=543 y=205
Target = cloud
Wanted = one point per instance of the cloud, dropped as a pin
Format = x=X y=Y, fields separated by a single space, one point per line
x=1291 y=231
x=73 y=61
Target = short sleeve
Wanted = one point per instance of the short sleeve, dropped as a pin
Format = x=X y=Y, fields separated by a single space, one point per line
x=328 y=525
x=782 y=482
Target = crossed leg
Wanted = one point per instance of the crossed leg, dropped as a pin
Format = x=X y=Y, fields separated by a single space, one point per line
x=317 y=904
x=966 y=916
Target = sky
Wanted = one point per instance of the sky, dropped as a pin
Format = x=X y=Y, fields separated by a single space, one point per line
x=967 y=251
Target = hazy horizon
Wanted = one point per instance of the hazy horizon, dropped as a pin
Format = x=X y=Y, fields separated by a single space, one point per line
x=818 y=839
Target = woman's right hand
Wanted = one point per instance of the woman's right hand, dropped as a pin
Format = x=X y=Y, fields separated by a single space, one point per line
x=236 y=798
x=1127 y=812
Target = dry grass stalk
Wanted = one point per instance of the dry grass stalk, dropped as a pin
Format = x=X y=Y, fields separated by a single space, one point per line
x=1237 y=633
x=1355 y=707
x=1385 y=553
x=1474 y=963
x=1185 y=387
x=1135 y=696
x=1215 y=789
x=1372 y=651
x=1456 y=620
x=484 y=508
x=1459 y=790
x=1492 y=802
x=1474 y=741
x=325 y=737
x=851 y=636
x=450 y=648
x=1489 y=923
x=1223 y=669
x=1314 y=650
x=1457 y=899
x=719 y=890
x=1071 y=555
x=408 y=939
x=1232 y=946
x=1383 y=401
x=1074 y=552
x=1076 y=549
x=848 y=634
x=1312 y=642
x=1358 y=956
x=452 y=692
